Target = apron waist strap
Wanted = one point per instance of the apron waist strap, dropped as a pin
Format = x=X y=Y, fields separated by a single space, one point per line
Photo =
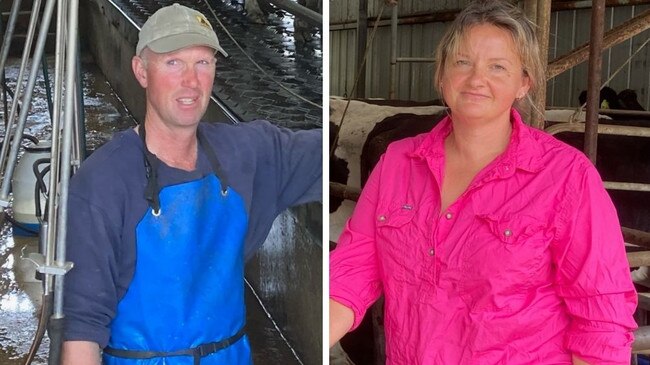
x=196 y=352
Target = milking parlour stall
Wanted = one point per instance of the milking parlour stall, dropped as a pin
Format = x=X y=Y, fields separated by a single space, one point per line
x=595 y=97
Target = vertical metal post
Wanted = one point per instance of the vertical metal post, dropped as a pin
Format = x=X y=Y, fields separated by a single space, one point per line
x=66 y=149
x=9 y=34
x=53 y=188
x=27 y=99
x=9 y=122
x=393 y=54
x=362 y=40
x=593 y=83
x=543 y=25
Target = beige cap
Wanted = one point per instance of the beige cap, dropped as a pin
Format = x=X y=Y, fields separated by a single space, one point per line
x=174 y=27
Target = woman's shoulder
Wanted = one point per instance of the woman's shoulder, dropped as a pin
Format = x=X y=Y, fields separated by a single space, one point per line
x=561 y=155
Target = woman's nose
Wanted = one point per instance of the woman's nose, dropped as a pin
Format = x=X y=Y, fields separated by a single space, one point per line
x=477 y=75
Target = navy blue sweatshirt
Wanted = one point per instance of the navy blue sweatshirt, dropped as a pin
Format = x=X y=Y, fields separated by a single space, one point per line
x=271 y=168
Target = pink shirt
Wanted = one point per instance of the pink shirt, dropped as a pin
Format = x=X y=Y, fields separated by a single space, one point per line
x=527 y=267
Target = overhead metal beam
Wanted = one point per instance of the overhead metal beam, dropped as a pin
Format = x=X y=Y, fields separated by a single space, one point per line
x=611 y=38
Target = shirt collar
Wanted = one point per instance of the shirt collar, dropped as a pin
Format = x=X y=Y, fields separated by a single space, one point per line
x=523 y=151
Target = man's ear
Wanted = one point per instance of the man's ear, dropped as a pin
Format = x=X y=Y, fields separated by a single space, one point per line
x=139 y=70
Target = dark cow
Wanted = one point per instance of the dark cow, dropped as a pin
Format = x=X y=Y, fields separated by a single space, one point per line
x=629 y=100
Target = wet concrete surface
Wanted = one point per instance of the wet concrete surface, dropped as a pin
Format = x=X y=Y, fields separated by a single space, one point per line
x=20 y=293
x=245 y=89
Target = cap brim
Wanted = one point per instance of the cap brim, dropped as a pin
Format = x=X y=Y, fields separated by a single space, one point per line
x=180 y=41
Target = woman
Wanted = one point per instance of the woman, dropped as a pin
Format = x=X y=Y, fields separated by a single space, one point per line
x=492 y=242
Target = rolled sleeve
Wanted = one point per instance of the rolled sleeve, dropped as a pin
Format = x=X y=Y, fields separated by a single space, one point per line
x=354 y=269
x=593 y=275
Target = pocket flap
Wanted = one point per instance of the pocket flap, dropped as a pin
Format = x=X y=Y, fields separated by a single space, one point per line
x=397 y=216
x=512 y=229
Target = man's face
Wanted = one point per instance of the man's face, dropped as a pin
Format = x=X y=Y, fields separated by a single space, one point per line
x=178 y=84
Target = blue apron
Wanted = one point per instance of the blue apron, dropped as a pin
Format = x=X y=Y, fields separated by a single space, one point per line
x=185 y=304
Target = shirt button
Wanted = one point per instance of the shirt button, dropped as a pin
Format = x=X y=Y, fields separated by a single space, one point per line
x=432 y=252
x=507 y=233
x=382 y=218
x=449 y=215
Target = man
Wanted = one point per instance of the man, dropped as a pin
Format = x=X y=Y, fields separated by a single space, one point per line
x=163 y=216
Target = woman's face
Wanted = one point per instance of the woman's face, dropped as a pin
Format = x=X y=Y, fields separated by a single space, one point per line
x=482 y=81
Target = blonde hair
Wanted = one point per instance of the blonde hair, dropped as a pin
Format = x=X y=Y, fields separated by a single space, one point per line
x=506 y=16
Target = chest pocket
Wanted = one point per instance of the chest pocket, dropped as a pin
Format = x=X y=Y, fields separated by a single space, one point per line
x=506 y=257
x=398 y=240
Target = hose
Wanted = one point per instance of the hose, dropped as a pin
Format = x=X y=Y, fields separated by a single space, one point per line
x=46 y=311
x=20 y=225
x=40 y=186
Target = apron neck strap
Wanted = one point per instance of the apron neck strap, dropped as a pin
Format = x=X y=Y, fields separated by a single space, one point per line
x=151 y=163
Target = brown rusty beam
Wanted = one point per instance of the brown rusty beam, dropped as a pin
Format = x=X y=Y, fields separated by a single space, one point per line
x=636 y=237
x=344 y=191
x=612 y=37
x=593 y=79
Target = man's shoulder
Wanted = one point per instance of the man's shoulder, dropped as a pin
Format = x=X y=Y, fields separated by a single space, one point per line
x=255 y=129
x=117 y=159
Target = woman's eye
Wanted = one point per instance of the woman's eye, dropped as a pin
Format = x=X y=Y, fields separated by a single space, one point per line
x=462 y=63
x=498 y=67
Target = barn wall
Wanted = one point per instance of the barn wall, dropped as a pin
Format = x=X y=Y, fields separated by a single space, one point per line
x=568 y=30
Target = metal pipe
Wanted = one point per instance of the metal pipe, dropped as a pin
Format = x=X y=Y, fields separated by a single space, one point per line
x=344 y=191
x=393 y=54
x=627 y=186
x=618 y=130
x=641 y=339
x=593 y=81
x=7 y=162
x=71 y=50
x=6 y=42
x=636 y=237
x=416 y=59
x=53 y=188
x=622 y=112
x=638 y=258
x=310 y=16
x=362 y=41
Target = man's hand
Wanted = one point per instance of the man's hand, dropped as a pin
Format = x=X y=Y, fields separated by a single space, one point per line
x=80 y=353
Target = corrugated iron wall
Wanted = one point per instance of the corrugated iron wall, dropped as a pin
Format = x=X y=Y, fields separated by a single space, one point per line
x=568 y=30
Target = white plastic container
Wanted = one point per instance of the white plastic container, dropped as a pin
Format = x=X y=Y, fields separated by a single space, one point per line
x=24 y=184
